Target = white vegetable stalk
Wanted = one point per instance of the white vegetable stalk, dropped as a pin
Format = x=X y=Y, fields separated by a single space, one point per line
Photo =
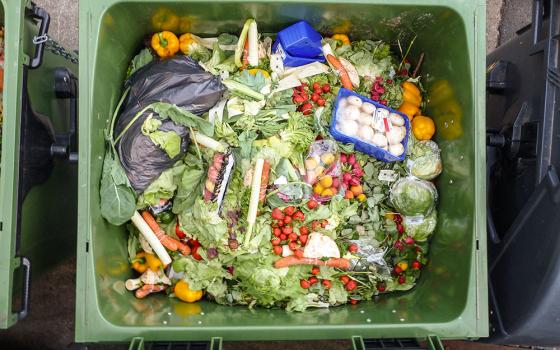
x=206 y=141
x=253 y=49
x=254 y=201
x=150 y=236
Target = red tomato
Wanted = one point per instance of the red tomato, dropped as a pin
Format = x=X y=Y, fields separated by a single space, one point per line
x=277 y=232
x=304 y=230
x=290 y=210
x=293 y=237
x=402 y=279
x=316 y=86
x=315 y=97
x=353 y=301
x=416 y=265
x=315 y=270
x=293 y=245
x=287 y=230
x=299 y=216
x=297 y=99
x=326 y=88
x=398 y=270
x=351 y=285
x=277 y=250
x=303 y=239
x=312 y=204
x=381 y=287
x=327 y=284
x=321 y=102
x=315 y=225
x=283 y=236
x=275 y=241
x=304 y=284
x=277 y=214
x=344 y=279
x=287 y=220
x=353 y=248
x=313 y=280
x=306 y=108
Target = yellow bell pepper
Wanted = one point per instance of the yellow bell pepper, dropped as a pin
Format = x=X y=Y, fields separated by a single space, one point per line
x=184 y=293
x=341 y=37
x=165 y=19
x=165 y=44
x=423 y=127
x=186 y=42
x=411 y=97
x=409 y=109
x=403 y=265
x=411 y=88
x=142 y=261
x=254 y=71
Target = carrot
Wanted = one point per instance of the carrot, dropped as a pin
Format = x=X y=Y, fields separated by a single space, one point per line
x=339 y=263
x=168 y=242
x=342 y=73
x=148 y=289
x=264 y=181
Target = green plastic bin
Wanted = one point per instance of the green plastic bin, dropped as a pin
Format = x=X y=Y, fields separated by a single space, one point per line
x=450 y=301
x=38 y=206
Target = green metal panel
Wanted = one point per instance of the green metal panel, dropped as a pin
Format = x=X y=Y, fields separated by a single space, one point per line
x=49 y=210
x=450 y=300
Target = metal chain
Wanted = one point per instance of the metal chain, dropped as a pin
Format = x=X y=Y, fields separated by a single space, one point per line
x=57 y=49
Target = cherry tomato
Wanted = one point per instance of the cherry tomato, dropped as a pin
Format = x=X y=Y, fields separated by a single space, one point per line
x=344 y=279
x=277 y=250
x=277 y=231
x=293 y=245
x=287 y=220
x=321 y=102
x=326 y=88
x=290 y=210
x=312 y=204
x=303 y=239
x=353 y=301
x=280 y=223
x=297 y=99
x=351 y=285
x=398 y=270
x=293 y=237
x=315 y=225
x=287 y=230
x=402 y=279
x=416 y=265
x=305 y=97
x=313 y=280
x=306 y=108
x=327 y=284
x=316 y=86
x=315 y=97
x=283 y=236
x=353 y=248
x=304 y=230
x=299 y=216
x=381 y=287
x=277 y=214
x=304 y=284
x=315 y=270
x=275 y=241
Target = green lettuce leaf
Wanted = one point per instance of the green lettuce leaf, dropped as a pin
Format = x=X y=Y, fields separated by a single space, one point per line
x=118 y=199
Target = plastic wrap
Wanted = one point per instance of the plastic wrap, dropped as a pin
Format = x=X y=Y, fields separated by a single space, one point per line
x=411 y=196
x=372 y=257
x=322 y=167
x=179 y=81
x=425 y=160
x=419 y=227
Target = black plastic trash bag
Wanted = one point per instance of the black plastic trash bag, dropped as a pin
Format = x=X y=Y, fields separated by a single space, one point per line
x=179 y=81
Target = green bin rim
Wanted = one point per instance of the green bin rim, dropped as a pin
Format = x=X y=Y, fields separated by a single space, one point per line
x=91 y=326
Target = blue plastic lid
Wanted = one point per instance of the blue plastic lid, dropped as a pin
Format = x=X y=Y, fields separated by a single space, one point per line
x=301 y=40
x=293 y=61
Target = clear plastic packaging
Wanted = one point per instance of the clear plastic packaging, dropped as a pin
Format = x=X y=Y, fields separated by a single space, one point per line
x=411 y=196
x=372 y=257
x=420 y=228
x=425 y=160
x=322 y=168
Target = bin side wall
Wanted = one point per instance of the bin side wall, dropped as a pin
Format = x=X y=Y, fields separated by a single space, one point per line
x=442 y=303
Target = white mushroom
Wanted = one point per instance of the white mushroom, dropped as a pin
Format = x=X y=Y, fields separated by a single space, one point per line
x=365 y=119
x=396 y=119
x=148 y=277
x=286 y=251
x=355 y=101
x=342 y=103
x=351 y=112
x=320 y=246
x=366 y=133
x=349 y=127
x=397 y=149
x=395 y=136
x=368 y=108
x=379 y=140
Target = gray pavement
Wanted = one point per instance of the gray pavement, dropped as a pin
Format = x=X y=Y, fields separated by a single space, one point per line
x=51 y=321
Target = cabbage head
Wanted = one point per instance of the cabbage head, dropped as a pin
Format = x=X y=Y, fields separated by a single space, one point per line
x=412 y=197
x=425 y=160
x=421 y=228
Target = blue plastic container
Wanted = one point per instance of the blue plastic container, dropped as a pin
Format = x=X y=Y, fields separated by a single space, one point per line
x=301 y=40
x=360 y=145
x=293 y=61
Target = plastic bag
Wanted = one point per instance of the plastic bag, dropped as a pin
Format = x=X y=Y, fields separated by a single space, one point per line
x=425 y=160
x=180 y=81
x=413 y=197
x=371 y=257
x=322 y=167
x=288 y=188
x=420 y=228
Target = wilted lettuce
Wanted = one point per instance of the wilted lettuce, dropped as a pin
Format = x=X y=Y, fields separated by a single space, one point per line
x=412 y=197
x=421 y=229
x=425 y=160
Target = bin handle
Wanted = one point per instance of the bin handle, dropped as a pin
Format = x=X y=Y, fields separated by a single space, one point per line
x=41 y=38
x=26 y=288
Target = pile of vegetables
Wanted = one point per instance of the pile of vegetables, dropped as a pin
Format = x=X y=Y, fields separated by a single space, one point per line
x=266 y=209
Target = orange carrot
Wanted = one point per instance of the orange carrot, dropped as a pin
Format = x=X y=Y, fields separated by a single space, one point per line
x=264 y=181
x=342 y=73
x=339 y=263
x=168 y=242
x=148 y=289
